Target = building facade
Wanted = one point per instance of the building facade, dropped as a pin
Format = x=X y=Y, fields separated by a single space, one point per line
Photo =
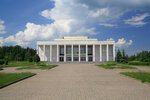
x=76 y=49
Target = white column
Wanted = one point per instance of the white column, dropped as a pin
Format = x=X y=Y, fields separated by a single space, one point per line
x=65 y=53
x=100 y=52
x=50 y=53
x=57 y=53
x=79 y=52
x=44 y=52
x=114 y=52
x=72 y=52
x=86 y=53
x=93 y=52
x=107 y=52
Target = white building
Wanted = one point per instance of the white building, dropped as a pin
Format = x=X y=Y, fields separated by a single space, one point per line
x=79 y=49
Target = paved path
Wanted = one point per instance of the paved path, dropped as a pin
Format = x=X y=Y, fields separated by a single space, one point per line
x=77 y=82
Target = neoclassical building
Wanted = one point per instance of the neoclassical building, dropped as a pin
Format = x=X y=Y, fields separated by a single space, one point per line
x=76 y=49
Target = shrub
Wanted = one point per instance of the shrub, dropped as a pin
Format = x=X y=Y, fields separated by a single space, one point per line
x=6 y=62
x=36 y=58
x=30 y=59
x=2 y=61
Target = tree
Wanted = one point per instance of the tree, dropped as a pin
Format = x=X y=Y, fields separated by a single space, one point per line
x=118 y=56
x=124 y=57
x=17 y=53
x=36 y=58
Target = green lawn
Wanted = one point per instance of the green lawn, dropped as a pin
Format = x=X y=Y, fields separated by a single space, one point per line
x=38 y=67
x=140 y=63
x=6 y=78
x=143 y=76
x=114 y=65
x=1 y=68
x=20 y=63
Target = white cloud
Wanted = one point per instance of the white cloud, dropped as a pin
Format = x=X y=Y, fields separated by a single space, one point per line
x=111 y=39
x=84 y=30
x=1 y=41
x=74 y=17
x=123 y=43
x=137 y=20
x=107 y=25
x=2 y=27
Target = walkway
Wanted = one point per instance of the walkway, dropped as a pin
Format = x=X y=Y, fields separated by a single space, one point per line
x=77 y=82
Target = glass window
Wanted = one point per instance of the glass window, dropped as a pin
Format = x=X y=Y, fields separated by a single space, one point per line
x=68 y=49
x=82 y=49
x=83 y=58
x=61 y=50
x=75 y=58
x=90 y=50
x=61 y=59
x=75 y=50
x=90 y=58
x=68 y=59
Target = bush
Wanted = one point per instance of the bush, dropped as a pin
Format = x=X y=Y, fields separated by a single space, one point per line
x=36 y=58
x=2 y=61
x=30 y=59
x=6 y=62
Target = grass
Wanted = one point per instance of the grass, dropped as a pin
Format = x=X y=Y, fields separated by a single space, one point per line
x=21 y=63
x=140 y=63
x=1 y=68
x=38 y=67
x=18 y=63
x=6 y=78
x=143 y=76
x=114 y=65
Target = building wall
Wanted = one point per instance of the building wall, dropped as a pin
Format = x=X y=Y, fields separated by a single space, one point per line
x=104 y=52
x=53 y=57
x=110 y=52
x=41 y=52
x=97 y=53
x=47 y=53
x=54 y=53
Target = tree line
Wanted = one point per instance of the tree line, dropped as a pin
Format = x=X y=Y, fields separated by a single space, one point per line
x=122 y=57
x=17 y=53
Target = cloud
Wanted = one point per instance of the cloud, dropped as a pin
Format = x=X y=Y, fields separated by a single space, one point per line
x=1 y=41
x=2 y=27
x=107 y=25
x=74 y=17
x=123 y=43
x=137 y=21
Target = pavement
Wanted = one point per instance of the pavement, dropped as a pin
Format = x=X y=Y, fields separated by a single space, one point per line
x=77 y=82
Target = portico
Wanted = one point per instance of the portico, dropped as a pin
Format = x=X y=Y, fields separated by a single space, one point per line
x=76 y=49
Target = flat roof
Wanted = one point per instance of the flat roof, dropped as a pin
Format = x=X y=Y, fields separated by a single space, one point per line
x=76 y=38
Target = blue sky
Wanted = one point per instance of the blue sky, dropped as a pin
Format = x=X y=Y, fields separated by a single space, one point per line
x=23 y=22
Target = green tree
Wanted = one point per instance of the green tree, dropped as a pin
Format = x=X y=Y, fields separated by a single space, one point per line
x=118 y=56
x=36 y=58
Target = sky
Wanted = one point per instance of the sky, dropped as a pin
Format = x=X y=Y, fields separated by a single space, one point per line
x=127 y=22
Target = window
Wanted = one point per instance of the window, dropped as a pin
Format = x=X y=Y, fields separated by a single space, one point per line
x=75 y=50
x=82 y=49
x=90 y=50
x=68 y=50
x=75 y=58
x=61 y=50
x=61 y=59
x=68 y=59
x=90 y=58
x=83 y=58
